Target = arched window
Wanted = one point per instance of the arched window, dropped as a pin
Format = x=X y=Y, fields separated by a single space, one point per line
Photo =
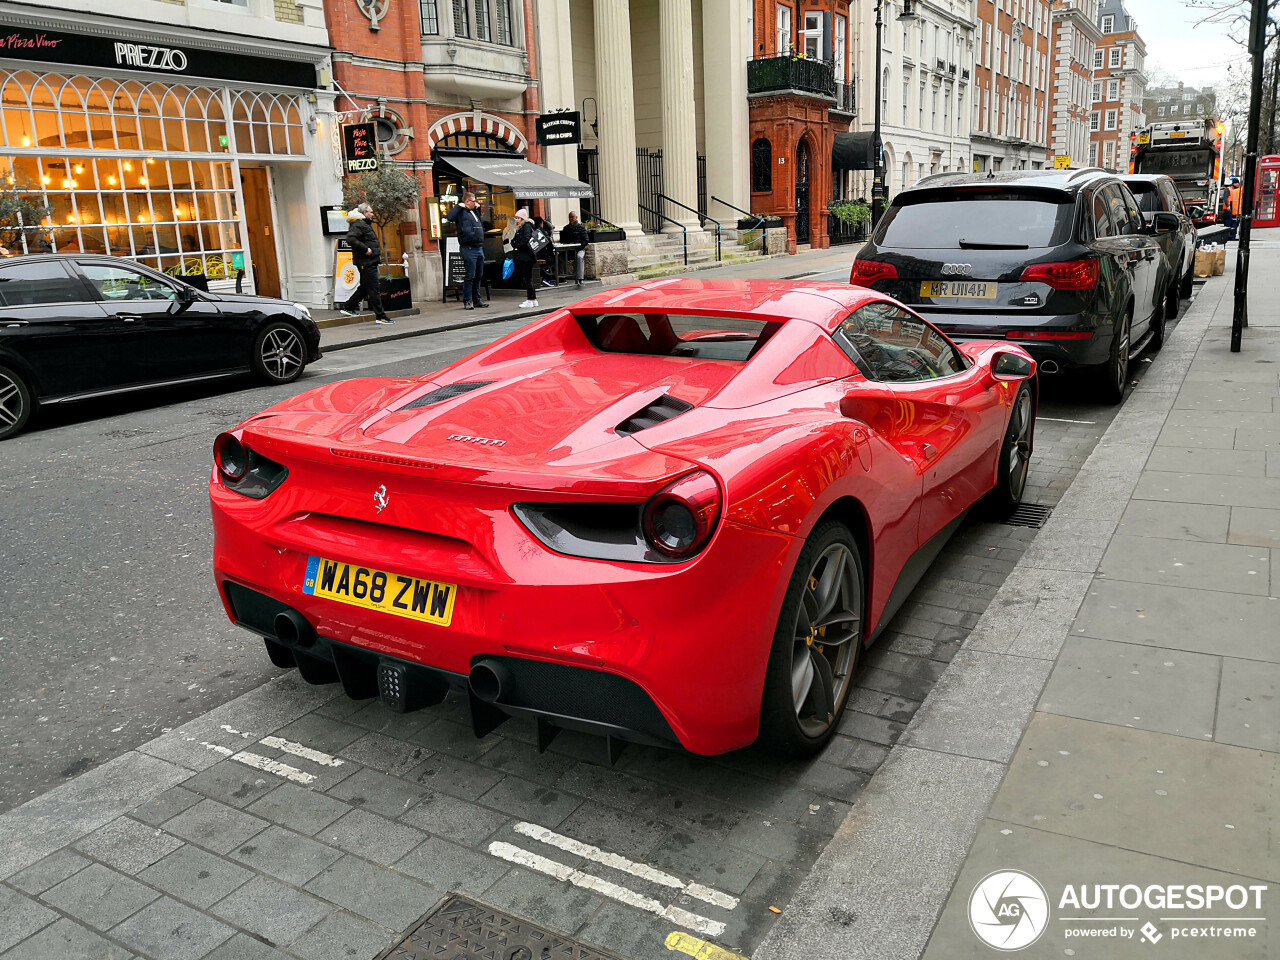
x=761 y=166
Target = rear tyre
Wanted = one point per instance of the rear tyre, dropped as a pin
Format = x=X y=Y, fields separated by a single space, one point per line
x=1015 y=455
x=1113 y=374
x=816 y=646
x=278 y=353
x=15 y=403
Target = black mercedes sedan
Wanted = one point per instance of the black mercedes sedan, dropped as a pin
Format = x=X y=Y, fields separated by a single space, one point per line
x=1062 y=262
x=79 y=326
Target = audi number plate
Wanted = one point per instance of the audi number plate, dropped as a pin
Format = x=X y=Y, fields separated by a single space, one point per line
x=959 y=289
x=392 y=593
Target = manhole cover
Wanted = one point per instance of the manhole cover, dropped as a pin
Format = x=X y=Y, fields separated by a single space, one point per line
x=1028 y=515
x=462 y=929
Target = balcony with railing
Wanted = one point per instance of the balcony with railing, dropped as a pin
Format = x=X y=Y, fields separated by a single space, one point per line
x=791 y=74
x=846 y=101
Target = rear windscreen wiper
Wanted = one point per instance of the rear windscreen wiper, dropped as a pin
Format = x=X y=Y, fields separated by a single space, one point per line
x=983 y=245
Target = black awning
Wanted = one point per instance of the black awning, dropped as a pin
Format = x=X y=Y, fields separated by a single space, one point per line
x=854 y=151
x=529 y=180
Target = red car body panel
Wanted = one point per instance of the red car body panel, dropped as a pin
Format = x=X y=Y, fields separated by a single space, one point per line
x=790 y=434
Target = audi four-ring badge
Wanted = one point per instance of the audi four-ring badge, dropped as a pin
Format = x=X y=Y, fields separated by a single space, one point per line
x=704 y=500
x=957 y=269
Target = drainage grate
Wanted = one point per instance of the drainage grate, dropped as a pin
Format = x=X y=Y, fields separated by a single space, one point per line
x=462 y=929
x=1028 y=515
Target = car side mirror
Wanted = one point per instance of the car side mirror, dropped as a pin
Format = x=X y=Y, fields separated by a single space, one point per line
x=1164 y=223
x=1011 y=366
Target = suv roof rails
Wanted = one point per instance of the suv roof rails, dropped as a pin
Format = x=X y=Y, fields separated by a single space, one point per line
x=1084 y=170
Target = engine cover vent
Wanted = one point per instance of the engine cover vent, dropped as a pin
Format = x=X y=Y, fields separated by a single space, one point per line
x=663 y=409
x=447 y=392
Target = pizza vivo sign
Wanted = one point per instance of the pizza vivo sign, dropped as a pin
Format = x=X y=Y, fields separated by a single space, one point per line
x=147 y=57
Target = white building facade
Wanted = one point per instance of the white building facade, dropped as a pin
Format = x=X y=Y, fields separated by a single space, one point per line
x=192 y=136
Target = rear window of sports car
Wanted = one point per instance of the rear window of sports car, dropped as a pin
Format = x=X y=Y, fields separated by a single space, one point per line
x=677 y=335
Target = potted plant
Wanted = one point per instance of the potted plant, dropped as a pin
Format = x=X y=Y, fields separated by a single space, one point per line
x=853 y=212
x=754 y=223
x=603 y=231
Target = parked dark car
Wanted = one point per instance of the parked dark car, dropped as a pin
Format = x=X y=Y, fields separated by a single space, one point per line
x=77 y=326
x=1157 y=193
x=1060 y=261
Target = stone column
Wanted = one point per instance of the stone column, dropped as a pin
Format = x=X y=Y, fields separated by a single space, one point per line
x=615 y=91
x=726 y=47
x=679 y=125
x=555 y=42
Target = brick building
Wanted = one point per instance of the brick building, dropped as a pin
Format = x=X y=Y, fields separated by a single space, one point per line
x=1075 y=39
x=1011 y=85
x=1118 y=88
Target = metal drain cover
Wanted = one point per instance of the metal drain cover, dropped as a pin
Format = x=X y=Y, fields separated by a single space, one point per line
x=462 y=929
x=1028 y=515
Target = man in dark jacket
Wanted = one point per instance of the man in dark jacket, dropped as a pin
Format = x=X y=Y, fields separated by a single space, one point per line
x=575 y=232
x=366 y=252
x=471 y=244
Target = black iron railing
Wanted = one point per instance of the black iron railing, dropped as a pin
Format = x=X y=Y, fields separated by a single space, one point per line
x=760 y=221
x=649 y=186
x=589 y=173
x=805 y=74
x=660 y=218
x=838 y=231
x=846 y=101
x=702 y=221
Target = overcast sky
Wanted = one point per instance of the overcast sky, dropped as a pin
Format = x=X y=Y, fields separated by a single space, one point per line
x=1178 y=44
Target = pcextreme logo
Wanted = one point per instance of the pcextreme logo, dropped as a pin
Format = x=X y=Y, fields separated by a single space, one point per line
x=1008 y=910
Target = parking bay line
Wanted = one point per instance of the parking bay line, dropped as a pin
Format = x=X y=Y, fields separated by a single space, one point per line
x=559 y=871
x=612 y=860
x=262 y=763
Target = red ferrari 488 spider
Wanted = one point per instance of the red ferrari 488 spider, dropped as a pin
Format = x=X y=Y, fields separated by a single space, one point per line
x=673 y=513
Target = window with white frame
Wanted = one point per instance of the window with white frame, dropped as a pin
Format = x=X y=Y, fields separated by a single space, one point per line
x=1113 y=90
x=430 y=17
x=1097 y=90
x=1159 y=111
x=1111 y=120
x=839 y=28
x=1093 y=154
x=811 y=35
x=906 y=95
x=920 y=103
x=1107 y=23
x=1109 y=154
x=884 y=93
x=1113 y=59
x=1093 y=120
x=1098 y=56
x=486 y=20
x=784 y=30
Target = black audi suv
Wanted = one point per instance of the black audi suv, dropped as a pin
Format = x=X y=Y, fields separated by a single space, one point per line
x=1060 y=261
x=80 y=326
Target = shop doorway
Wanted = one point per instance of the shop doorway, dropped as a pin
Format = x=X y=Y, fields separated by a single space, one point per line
x=260 y=226
x=802 y=192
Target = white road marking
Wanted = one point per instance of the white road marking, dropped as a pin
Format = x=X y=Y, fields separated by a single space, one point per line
x=273 y=766
x=298 y=750
x=1087 y=423
x=262 y=763
x=238 y=733
x=513 y=854
x=622 y=864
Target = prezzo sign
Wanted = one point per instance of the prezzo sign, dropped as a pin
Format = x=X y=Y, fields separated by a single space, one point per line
x=150 y=58
x=360 y=147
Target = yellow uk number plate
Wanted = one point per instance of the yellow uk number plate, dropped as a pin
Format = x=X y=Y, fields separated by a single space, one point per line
x=372 y=589
x=961 y=289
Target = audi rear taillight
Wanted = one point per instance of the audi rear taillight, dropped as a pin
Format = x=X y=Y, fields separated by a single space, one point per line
x=1067 y=275
x=867 y=272
x=1049 y=335
x=680 y=518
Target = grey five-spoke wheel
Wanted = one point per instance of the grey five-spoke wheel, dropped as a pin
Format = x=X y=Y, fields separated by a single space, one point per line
x=1115 y=372
x=279 y=354
x=816 y=645
x=15 y=403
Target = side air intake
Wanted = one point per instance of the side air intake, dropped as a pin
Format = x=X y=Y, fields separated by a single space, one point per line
x=663 y=409
x=447 y=392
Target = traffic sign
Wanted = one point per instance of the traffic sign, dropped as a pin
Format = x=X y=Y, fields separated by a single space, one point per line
x=1062 y=161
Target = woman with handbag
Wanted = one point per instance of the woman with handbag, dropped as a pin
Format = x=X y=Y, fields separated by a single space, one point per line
x=527 y=243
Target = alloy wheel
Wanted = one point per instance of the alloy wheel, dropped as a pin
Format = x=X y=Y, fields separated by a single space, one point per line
x=282 y=353
x=1019 y=440
x=827 y=630
x=12 y=402
x=1120 y=363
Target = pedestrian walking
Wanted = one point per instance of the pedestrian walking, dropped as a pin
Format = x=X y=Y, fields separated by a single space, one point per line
x=366 y=253
x=471 y=244
x=527 y=243
x=575 y=232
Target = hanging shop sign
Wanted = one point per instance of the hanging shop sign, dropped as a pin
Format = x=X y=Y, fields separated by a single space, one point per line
x=56 y=46
x=359 y=147
x=558 y=129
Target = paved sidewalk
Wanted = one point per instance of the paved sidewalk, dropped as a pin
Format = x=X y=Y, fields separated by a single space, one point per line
x=1113 y=718
x=434 y=316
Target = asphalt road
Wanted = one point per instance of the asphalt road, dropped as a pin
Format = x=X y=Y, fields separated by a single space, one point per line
x=109 y=622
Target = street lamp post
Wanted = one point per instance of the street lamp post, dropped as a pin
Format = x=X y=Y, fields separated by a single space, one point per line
x=1258 y=48
x=877 y=184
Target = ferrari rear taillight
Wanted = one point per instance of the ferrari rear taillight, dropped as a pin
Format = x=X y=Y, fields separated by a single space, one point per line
x=245 y=471
x=867 y=272
x=1066 y=275
x=681 y=517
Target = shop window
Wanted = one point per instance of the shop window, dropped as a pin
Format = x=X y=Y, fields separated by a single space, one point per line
x=761 y=166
